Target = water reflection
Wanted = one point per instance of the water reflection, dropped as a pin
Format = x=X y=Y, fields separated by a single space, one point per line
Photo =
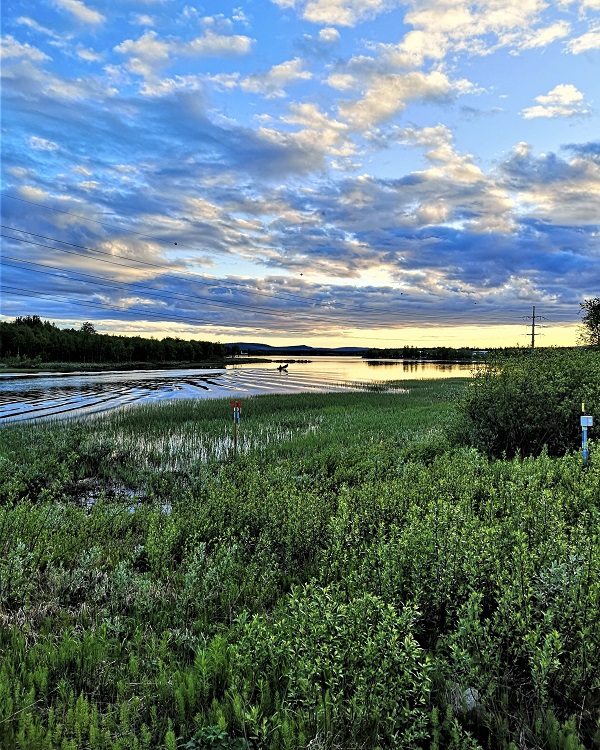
x=54 y=394
x=367 y=370
x=431 y=368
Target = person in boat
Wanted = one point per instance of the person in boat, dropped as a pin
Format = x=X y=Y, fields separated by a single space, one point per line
x=281 y=368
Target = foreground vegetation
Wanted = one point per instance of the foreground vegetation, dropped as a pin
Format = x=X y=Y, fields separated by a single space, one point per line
x=354 y=576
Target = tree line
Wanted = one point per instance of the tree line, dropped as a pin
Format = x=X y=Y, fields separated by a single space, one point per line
x=29 y=340
x=414 y=352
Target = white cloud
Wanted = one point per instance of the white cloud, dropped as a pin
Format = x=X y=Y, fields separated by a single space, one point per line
x=165 y=86
x=146 y=54
x=564 y=94
x=30 y=192
x=440 y=26
x=341 y=81
x=452 y=187
x=319 y=131
x=329 y=35
x=81 y=11
x=11 y=48
x=217 y=45
x=531 y=113
x=547 y=35
x=89 y=185
x=225 y=80
x=458 y=19
x=557 y=191
x=19 y=173
x=585 y=43
x=218 y=23
x=337 y=12
x=273 y=83
x=432 y=138
x=389 y=94
x=142 y=19
x=41 y=144
x=26 y=21
x=48 y=89
x=439 y=150
x=417 y=46
x=89 y=55
x=565 y=100
x=522 y=150
x=240 y=16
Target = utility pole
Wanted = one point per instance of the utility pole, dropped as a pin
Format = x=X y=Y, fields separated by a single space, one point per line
x=533 y=317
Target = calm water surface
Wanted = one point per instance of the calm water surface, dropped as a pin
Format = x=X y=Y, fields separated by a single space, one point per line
x=369 y=370
x=53 y=394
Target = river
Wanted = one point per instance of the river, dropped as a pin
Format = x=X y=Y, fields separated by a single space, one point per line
x=47 y=394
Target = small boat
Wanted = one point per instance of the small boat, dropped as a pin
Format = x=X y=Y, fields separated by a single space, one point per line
x=281 y=368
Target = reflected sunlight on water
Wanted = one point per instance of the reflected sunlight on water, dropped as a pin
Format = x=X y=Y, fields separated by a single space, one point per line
x=53 y=394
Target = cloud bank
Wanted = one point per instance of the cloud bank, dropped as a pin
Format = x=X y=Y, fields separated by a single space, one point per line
x=331 y=168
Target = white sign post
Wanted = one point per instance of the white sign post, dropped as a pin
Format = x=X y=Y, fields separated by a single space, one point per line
x=586 y=421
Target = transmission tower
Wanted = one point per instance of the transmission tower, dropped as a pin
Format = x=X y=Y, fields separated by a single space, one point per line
x=536 y=320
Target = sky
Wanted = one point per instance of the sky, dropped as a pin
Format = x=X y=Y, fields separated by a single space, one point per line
x=327 y=172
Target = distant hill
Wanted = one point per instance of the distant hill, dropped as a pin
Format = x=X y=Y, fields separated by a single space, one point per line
x=294 y=349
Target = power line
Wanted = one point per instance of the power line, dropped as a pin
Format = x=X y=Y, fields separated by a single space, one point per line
x=94 y=221
x=171 y=296
x=147 y=263
x=22 y=292
x=423 y=317
x=421 y=320
x=490 y=320
x=164 y=317
x=27 y=293
x=420 y=317
x=211 y=301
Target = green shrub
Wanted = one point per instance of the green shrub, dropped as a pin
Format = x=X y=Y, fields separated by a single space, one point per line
x=521 y=404
x=349 y=668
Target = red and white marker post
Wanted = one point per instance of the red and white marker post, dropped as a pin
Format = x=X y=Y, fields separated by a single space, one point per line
x=237 y=415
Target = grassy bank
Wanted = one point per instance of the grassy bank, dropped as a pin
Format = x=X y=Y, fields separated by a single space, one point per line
x=348 y=579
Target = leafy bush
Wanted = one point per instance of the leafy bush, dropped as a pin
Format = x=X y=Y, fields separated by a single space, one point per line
x=351 y=666
x=521 y=404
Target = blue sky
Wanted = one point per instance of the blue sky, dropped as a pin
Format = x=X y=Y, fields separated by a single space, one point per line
x=350 y=172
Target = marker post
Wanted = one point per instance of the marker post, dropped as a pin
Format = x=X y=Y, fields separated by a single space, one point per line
x=237 y=415
x=586 y=421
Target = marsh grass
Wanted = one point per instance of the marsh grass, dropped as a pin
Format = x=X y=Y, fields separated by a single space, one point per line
x=336 y=583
